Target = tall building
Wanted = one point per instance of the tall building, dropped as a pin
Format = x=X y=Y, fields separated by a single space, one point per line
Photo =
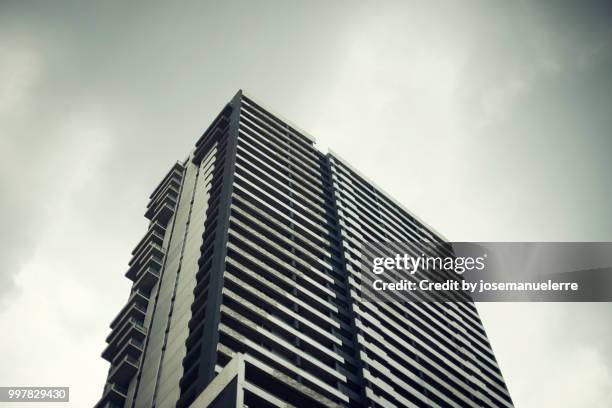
x=246 y=288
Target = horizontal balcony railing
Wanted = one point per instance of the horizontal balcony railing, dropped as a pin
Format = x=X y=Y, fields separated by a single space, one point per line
x=171 y=188
x=126 y=325
x=131 y=310
x=124 y=370
x=163 y=213
x=155 y=234
x=212 y=135
x=131 y=346
x=170 y=199
x=151 y=248
x=114 y=394
x=137 y=297
x=130 y=329
x=151 y=260
x=176 y=172
x=146 y=280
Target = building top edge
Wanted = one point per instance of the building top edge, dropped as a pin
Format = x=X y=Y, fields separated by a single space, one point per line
x=345 y=163
x=281 y=117
x=336 y=156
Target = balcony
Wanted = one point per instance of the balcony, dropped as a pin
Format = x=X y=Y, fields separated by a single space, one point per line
x=124 y=370
x=150 y=248
x=127 y=326
x=171 y=189
x=165 y=197
x=212 y=135
x=130 y=329
x=152 y=258
x=175 y=173
x=170 y=197
x=132 y=310
x=163 y=212
x=131 y=347
x=155 y=235
x=136 y=297
x=114 y=395
x=147 y=280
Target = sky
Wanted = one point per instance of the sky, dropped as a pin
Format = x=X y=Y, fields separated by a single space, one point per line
x=490 y=120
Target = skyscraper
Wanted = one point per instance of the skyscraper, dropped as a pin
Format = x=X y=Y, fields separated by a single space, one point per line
x=247 y=288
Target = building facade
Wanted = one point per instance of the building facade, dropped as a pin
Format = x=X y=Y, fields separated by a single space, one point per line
x=246 y=288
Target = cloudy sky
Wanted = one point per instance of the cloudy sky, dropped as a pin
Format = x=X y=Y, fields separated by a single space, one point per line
x=491 y=120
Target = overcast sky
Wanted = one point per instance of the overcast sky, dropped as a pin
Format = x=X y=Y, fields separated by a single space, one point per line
x=491 y=120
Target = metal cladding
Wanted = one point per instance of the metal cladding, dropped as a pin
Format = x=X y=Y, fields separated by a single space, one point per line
x=247 y=288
